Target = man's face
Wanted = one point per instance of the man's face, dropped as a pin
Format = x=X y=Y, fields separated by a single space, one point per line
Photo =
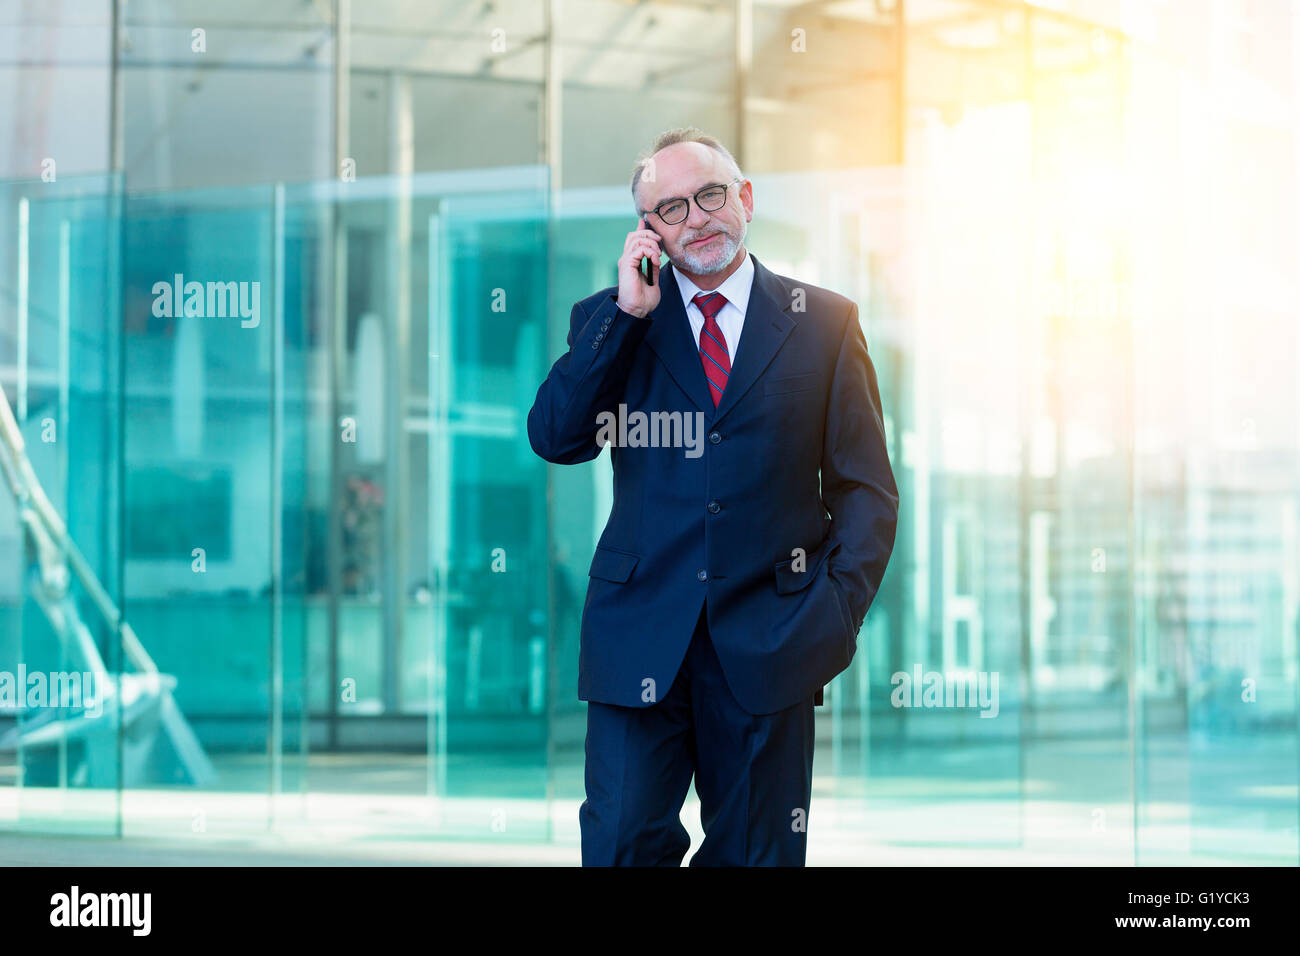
x=705 y=242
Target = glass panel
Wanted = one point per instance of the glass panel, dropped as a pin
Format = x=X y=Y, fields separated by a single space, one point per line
x=63 y=704
x=487 y=308
x=200 y=358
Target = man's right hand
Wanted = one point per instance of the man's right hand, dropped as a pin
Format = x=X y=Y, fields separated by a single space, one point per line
x=634 y=296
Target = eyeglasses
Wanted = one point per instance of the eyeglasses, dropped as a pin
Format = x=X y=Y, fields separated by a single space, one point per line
x=710 y=199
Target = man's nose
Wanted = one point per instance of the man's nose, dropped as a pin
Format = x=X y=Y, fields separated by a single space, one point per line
x=698 y=217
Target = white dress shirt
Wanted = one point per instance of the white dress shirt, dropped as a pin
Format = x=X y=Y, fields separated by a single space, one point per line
x=735 y=289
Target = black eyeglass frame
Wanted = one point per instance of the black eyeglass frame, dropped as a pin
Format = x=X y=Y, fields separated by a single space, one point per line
x=726 y=187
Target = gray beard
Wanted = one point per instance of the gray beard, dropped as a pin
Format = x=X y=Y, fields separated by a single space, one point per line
x=695 y=265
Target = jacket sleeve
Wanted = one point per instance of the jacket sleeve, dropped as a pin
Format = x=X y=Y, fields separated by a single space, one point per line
x=586 y=380
x=858 y=485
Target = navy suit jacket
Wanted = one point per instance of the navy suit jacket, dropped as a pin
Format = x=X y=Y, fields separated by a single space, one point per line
x=785 y=522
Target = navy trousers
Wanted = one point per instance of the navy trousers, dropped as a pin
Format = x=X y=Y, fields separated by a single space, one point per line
x=753 y=775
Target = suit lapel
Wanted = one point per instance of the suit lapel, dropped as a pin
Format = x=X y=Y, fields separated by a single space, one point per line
x=765 y=330
x=766 y=327
x=670 y=337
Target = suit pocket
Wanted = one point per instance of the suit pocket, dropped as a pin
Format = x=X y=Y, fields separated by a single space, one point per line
x=610 y=565
x=789 y=580
x=791 y=383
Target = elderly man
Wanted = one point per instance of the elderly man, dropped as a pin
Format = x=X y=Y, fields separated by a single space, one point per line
x=734 y=573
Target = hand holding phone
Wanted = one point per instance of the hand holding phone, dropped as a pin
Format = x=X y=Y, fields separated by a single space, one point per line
x=638 y=271
x=649 y=268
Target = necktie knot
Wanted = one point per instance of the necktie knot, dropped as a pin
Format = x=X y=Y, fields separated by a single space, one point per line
x=709 y=303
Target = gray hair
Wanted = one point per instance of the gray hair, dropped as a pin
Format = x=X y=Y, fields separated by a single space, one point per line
x=680 y=134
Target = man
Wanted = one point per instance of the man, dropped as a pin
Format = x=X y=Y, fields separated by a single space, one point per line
x=722 y=597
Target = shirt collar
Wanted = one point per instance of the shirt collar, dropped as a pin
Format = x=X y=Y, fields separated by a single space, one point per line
x=735 y=288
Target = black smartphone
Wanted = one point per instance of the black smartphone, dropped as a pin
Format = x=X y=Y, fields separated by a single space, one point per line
x=647 y=269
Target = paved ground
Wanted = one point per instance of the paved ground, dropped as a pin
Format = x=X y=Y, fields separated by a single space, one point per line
x=1059 y=803
x=64 y=851
x=842 y=833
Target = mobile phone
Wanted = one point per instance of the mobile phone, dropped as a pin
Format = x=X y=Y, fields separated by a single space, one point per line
x=647 y=268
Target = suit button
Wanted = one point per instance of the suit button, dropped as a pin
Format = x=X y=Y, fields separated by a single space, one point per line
x=714 y=507
x=605 y=324
x=702 y=574
x=715 y=437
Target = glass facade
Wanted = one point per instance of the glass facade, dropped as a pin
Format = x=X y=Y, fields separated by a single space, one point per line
x=278 y=286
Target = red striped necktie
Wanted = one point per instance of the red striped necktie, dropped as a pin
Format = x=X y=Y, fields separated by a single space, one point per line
x=713 y=346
